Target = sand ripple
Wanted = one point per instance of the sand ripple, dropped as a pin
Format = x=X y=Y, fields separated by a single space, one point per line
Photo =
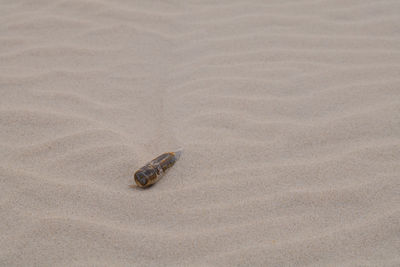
x=288 y=112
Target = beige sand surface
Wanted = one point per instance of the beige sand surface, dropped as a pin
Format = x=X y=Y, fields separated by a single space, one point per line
x=288 y=111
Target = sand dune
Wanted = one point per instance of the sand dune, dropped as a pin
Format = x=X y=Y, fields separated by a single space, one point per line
x=288 y=111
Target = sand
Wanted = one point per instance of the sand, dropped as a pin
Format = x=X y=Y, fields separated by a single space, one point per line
x=288 y=112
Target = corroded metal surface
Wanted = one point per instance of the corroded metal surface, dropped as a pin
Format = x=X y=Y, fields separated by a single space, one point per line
x=155 y=169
